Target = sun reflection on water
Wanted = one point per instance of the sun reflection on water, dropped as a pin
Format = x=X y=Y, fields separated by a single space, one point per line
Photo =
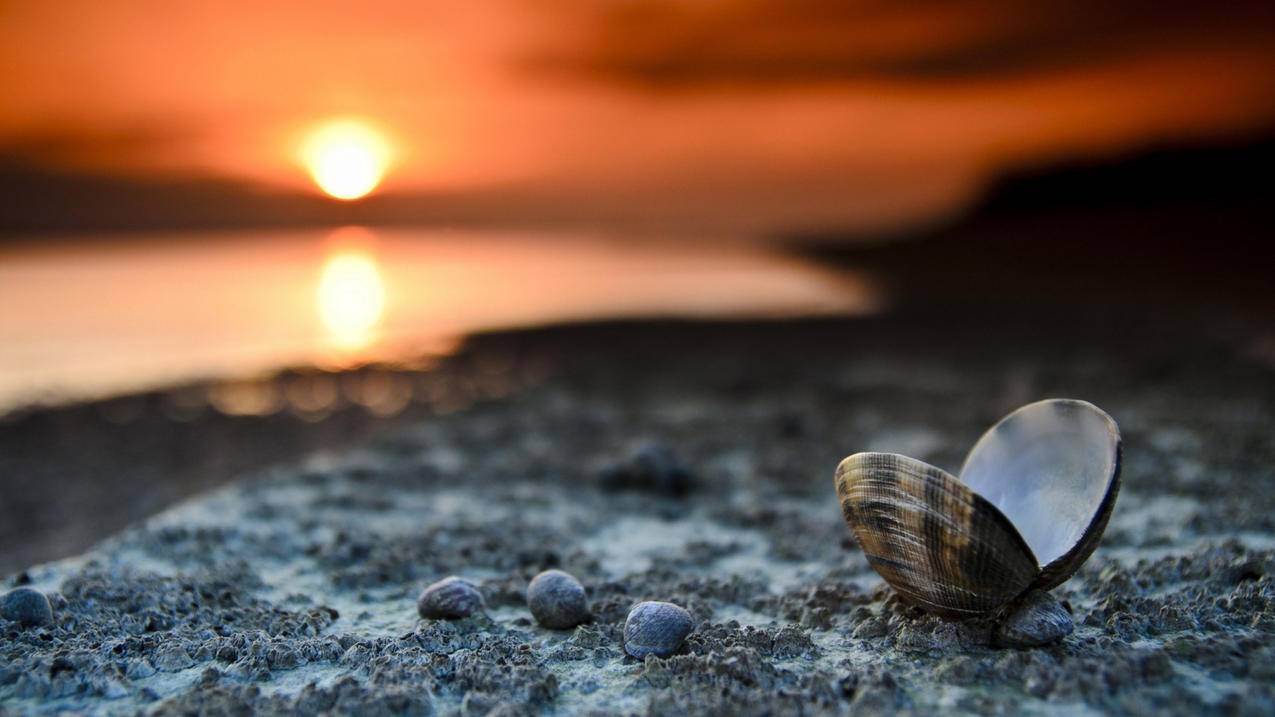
x=351 y=296
x=82 y=318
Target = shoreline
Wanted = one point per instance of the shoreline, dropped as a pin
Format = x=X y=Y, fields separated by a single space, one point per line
x=161 y=446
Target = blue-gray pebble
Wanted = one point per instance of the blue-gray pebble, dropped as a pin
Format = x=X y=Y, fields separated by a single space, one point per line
x=656 y=628
x=557 y=600
x=449 y=599
x=652 y=467
x=1038 y=620
x=28 y=607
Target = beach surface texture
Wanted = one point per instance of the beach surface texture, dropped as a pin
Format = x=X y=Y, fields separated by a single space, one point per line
x=692 y=464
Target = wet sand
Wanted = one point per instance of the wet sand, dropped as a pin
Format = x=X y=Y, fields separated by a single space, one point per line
x=292 y=589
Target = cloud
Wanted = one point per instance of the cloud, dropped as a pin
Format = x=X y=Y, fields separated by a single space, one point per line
x=672 y=45
x=93 y=144
x=734 y=115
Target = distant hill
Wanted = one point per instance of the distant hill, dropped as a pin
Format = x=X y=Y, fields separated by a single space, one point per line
x=1173 y=223
x=1227 y=176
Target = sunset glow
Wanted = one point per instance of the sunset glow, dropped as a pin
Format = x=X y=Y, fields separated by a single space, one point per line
x=346 y=158
x=741 y=117
x=94 y=318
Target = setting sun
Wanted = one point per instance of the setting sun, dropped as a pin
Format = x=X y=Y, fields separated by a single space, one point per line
x=346 y=158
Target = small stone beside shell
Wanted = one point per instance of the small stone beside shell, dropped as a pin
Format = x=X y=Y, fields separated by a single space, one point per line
x=1037 y=620
x=449 y=599
x=656 y=628
x=27 y=606
x=557 y=600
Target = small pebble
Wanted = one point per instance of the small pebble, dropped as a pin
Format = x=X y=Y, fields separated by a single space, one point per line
x=557 y=600
x=449 y=599
x=652 y=467
x=27 y=606
x=1038 y=620
x=656 y=628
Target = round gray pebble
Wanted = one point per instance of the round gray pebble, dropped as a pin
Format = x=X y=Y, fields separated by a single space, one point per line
x=652 y=467
x=449 y=599
x=27 y=606
x=1037 y=621
x=557 y=600
x=656 y=628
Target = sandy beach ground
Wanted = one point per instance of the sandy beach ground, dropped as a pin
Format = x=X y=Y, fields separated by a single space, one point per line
x=292 y=589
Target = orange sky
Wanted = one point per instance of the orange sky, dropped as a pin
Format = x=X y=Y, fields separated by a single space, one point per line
x=753 y=114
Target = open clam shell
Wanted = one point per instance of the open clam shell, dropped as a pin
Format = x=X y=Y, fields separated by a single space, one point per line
x=1029 y=508
x=1053 y=469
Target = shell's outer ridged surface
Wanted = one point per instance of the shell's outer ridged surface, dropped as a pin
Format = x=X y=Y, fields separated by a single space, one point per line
x=941 y=546
x=1047 y=487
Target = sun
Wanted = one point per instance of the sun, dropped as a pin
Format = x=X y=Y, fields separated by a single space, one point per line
x=347 y=158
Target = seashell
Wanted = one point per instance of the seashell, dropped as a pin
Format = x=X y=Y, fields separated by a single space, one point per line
x=449 y=599
x=1037 y=620
x=557 y=600
x=1032 y=501
x=656 y=628
x=26 y=606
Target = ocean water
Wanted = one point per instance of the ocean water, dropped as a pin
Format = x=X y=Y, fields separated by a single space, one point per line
x=86 y=317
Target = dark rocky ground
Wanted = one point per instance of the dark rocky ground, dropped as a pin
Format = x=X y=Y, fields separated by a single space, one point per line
x=292 y=590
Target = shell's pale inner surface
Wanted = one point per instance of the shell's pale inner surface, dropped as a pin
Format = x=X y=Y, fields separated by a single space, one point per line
x=1047 y=467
